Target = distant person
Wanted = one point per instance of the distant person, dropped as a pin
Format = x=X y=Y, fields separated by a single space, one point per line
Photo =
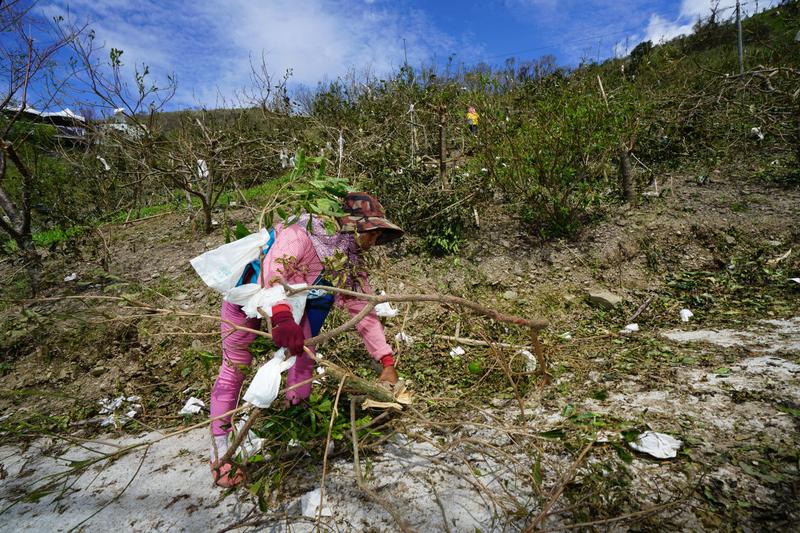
x=472 y=120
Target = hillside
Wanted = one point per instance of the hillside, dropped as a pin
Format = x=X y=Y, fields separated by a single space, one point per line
x=733 y=404
x=532 y=221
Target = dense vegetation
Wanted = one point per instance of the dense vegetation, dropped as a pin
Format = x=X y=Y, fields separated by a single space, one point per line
x=553 y=145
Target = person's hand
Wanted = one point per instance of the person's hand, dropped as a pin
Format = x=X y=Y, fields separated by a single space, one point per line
x=389 y=374
x=286 y=333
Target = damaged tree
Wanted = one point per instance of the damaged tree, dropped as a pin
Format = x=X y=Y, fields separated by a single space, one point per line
x=28 y=68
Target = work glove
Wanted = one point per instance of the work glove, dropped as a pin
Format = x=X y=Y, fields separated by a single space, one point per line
x=286 y=333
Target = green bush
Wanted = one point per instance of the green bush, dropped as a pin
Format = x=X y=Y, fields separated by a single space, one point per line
x=551 y=155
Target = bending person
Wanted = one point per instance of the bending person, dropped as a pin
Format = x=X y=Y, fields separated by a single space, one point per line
x=297 y=254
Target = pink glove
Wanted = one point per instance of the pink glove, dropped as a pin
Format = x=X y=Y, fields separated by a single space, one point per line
x=286 y=333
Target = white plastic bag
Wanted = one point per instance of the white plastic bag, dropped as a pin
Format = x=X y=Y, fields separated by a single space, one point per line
x=385 y=309
x=222 y=267
x=251 y=296
x=252 y=444
x=192 y=407
x=659 y=445
x=267 y=382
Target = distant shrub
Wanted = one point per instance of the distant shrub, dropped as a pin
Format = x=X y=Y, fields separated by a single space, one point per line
x=551 y=156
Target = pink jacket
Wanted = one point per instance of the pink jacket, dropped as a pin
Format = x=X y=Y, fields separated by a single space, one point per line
x=293 y=258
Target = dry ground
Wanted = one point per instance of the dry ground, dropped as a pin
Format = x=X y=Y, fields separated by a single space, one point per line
x=467 y=456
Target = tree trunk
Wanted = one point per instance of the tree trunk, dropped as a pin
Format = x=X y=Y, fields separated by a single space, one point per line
x=626 y=174
x=33 y=262
x=443 y=147
x=206 y=217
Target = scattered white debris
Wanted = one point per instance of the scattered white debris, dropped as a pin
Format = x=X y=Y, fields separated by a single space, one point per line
x=202 y=168
x=567 y=336
x=757 y=133
x=320 y=370
x=484 y=169
x=630 y=328
x=385 y=310
x=192 y=407
x=777 y=260
x=530 y=365
x=252 y=444
x=457 y=351
x=106 y=166
x=119 y=411
x=686 y=314
x=71 y=277
x=310 y=502
x=658 y=445
x=408 y=340
x=796 y=280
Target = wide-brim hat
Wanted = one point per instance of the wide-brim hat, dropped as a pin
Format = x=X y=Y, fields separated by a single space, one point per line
x=365 y=213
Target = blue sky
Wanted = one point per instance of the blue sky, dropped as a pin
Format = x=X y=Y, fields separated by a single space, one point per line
x=209 y=45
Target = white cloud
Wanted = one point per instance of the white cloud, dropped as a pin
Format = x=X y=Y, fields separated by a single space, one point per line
x=208 y=44
x=660 y=29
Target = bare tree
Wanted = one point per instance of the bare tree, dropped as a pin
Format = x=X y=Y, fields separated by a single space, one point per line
x=25 y=64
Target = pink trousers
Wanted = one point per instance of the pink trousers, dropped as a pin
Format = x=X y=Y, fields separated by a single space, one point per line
x=236 y=356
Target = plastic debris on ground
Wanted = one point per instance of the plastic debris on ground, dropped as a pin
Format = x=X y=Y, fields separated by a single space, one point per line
x=530 y=364
x=796 y=280
x=457 y=351
x=192 y=407
x=252 y=444
x=630 y=328
x=658 y=445
x=756 y=132
x=780 y=258
x=119 y=411
x=408 y=340
x=385 y=309
x=686 y=315
x=567 y=336
x=310 y=504
x=71 y=277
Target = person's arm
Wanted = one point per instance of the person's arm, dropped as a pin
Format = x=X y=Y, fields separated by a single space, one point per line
x=289 y=259
x=371 y=331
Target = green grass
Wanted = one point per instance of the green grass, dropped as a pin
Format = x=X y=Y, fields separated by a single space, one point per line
x=53 y=236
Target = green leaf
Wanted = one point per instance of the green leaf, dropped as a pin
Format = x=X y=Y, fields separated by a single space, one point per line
x=789 y=410
x=623 y=453
x=241 y=231
x=537 y=471
x=552 y=434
